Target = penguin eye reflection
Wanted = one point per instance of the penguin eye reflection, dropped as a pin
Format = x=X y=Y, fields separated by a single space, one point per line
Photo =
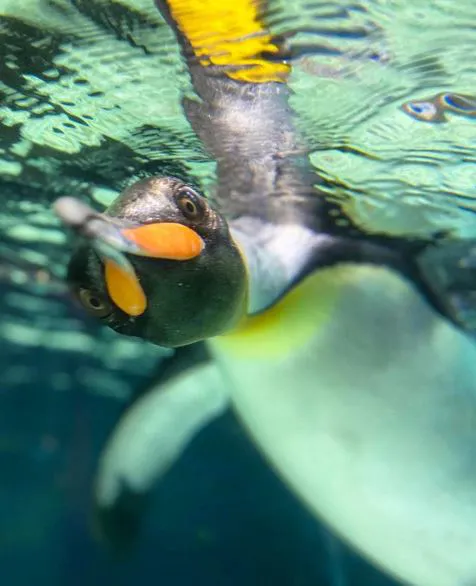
x=189 y=205
x=94 y=303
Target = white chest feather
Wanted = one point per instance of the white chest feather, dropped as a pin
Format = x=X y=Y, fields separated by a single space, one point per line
x=367 y=409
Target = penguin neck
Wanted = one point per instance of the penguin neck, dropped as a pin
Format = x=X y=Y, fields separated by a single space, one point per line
x=276 y=256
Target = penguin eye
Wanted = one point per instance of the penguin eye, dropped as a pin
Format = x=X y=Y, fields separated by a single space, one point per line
x=94 y=303
x=190 y=205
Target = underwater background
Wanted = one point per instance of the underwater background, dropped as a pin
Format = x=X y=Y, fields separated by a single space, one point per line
x=90 y=100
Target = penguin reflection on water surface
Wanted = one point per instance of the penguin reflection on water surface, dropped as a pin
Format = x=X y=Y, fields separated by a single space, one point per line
x=343 y=354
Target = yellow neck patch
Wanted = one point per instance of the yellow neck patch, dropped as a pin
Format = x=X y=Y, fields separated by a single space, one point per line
x=229 y=33
x=292 y=322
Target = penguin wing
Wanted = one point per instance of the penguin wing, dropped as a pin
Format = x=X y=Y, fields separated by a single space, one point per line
x=449 y=268
x=150 y=437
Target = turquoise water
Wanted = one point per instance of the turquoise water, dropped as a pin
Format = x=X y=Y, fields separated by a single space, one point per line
x=90 y=101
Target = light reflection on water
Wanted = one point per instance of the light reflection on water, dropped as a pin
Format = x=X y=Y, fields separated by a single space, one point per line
x=397 y=174
x=90 y=99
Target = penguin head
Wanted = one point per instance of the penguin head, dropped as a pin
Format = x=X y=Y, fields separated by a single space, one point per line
x=188 y=284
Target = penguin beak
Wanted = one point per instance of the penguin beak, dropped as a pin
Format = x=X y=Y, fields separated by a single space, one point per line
x=170 y=241
x=164 y=240
x=112 y=239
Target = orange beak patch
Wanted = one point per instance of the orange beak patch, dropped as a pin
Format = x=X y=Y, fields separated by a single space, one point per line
x=124 y=289
x=171 y=241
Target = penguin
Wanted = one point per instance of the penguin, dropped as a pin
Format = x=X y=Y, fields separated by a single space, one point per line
x=348 y=357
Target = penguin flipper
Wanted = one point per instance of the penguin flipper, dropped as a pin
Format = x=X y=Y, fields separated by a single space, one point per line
x=450 y=270
x=148 y=439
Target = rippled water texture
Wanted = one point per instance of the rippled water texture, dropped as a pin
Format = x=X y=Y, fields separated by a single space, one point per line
x=398 y=174
x=90 y=99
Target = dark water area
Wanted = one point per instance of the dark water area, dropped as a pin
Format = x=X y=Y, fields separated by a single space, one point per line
x=220 y=517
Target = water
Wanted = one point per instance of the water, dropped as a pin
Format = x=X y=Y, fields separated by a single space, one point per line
x=90 y=100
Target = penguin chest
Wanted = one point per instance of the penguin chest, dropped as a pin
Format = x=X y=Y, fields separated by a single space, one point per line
x=367 y=410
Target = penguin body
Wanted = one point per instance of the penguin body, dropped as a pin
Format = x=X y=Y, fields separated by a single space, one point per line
x=359 y=394
x=369 y=418
x=342 y=352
